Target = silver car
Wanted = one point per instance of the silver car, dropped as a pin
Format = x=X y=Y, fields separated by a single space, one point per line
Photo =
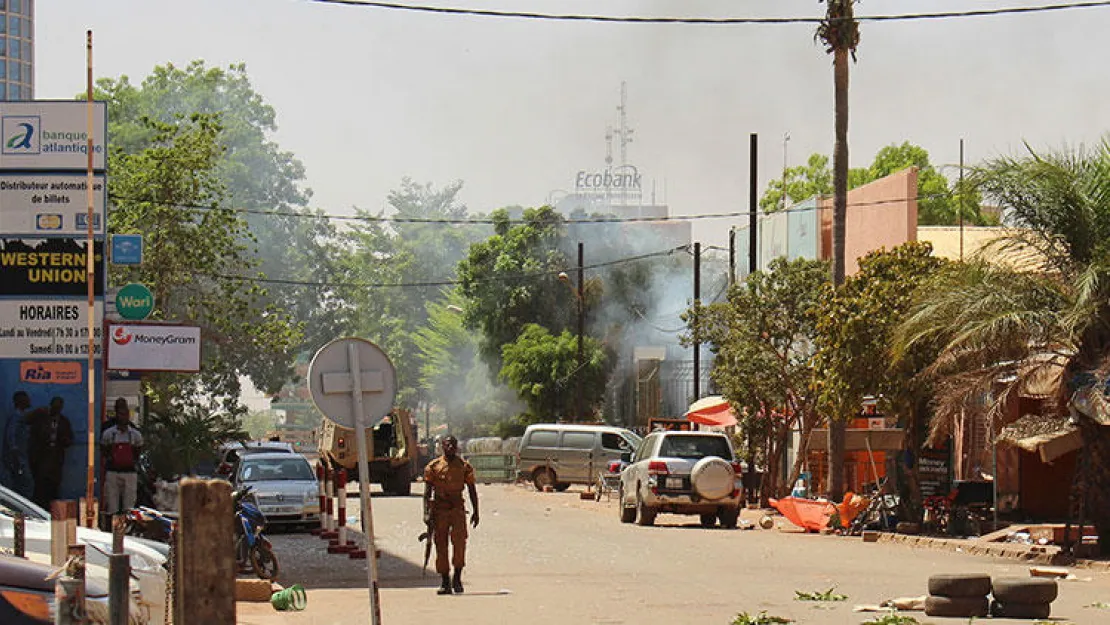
x=682 y=473
x=284 y=487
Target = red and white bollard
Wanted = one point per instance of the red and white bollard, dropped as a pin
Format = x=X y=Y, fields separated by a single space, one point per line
x=320 y=493
x=340 y=545
x=329 y=532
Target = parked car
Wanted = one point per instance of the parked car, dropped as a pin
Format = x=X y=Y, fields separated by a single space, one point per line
x=231 y=453
x=284 y=487
x=561 y=454
x=27 y=594
x=682 y=473
x=148 y=561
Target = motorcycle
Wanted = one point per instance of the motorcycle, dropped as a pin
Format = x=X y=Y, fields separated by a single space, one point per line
x=146 y=522
x=253 y=550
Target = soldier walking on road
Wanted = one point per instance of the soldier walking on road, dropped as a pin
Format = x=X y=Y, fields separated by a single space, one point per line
x=444 y=479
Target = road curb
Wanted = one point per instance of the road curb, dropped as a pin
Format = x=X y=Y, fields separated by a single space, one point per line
x=1034 y=554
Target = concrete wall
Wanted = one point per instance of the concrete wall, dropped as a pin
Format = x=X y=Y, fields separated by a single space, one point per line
x=881 y=214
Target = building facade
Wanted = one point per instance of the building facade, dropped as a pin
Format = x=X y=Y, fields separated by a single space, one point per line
x=17 y=49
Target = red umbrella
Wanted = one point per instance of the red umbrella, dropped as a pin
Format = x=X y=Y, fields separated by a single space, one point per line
x=713 y=410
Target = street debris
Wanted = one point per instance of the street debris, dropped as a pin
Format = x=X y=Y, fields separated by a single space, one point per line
x=761 y=619
x=828 y=595
x=891 y=618
x=905 y=604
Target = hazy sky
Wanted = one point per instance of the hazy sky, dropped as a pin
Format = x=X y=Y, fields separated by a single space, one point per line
x=514 y=108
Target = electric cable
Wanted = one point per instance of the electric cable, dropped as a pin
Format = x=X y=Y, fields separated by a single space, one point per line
x=709 y=21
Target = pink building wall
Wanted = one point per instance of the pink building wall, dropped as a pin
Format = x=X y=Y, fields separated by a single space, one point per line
x=881 y=214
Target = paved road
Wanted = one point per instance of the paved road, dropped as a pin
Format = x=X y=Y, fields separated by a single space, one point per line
x=551 y=558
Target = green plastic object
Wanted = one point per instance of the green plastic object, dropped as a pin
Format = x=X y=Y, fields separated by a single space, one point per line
x=292 y=598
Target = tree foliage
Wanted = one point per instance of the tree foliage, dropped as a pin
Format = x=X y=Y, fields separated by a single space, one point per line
x=543 y=369
x=938 y=202
x=763 y=340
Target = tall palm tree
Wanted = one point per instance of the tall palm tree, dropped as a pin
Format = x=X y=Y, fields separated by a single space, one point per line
x=839 y=32
x=1048 y=314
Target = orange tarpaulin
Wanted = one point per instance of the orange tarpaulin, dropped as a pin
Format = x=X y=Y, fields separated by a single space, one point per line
x=712 y=410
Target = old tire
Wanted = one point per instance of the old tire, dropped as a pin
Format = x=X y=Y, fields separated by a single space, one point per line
x=543 y=477
x=962 y=607
x=709 y=520
x=729 y=517
x=1028 y=590
x=1020 y=610
x=713 y=478
x=645 y=514
x=961 y=585
x=628 y=515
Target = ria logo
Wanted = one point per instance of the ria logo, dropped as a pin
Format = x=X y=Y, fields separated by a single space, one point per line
x=121 y=336
x=21 y=134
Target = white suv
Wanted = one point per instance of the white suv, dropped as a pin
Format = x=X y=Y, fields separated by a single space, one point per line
x=682 y=473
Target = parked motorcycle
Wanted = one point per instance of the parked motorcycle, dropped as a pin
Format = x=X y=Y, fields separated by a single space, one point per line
x=252 y=549
x=146 y=522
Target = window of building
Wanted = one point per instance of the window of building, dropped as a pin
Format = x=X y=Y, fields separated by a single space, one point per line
x=13 y=48
x=26 y=50
x=13 y=25
x=3 y=45
x=3 y=70
x=3 y=22
x=15 y=6
x=13 y=70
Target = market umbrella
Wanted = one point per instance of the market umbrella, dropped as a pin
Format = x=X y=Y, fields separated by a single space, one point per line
x=713 y=410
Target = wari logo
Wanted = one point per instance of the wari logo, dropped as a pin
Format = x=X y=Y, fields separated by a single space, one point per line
x=46 y=372
x=21 y=134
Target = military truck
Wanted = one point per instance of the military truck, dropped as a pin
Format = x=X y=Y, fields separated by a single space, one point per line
x=393 y=461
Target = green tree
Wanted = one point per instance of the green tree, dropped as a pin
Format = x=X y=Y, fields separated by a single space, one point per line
x=839 y=31
x=994 y=322
x=288 y=241
x=511 y=280
x=802 y=182
x=543 y=367
x=763 y=341
x=186 y=254
x=855 y=329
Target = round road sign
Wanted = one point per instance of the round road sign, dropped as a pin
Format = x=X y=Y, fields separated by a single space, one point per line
x=332 y=384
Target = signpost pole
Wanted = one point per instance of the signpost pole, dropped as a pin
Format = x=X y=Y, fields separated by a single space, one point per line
x=364 y=481
x=90 y=279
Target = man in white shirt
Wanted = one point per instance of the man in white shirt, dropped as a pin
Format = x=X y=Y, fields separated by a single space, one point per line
x=120 y=447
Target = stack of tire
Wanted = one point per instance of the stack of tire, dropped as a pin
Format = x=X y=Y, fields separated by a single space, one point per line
x=963 y=595
x=968 y=595
x=1023 y=597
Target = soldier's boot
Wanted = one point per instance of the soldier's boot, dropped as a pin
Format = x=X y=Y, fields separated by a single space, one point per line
x=445 y=587
x=456 y=583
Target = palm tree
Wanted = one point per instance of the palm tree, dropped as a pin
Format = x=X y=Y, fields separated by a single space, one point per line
x=1049 y=314
x=839 y=31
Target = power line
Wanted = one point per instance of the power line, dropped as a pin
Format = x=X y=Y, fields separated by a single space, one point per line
x=711 y=21
x=488 y=220
x=446 y=282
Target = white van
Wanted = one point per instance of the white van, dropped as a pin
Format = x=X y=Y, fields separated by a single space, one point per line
x=561 y=454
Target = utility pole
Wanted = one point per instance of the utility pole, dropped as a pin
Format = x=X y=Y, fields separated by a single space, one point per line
x=753 y=202
x=731 y=256
x=581 y=333
x=960 y=204
x=785 y=139
x=697 y=307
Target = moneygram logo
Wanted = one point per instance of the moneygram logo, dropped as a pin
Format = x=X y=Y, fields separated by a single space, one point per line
x=121 y=336
x=21 y=134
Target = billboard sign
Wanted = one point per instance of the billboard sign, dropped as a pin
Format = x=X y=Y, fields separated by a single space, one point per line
x=49 y=204
x=127 y=249
x=51 y=135
x=49 y=267
x=48 y=328
x=143 y=347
